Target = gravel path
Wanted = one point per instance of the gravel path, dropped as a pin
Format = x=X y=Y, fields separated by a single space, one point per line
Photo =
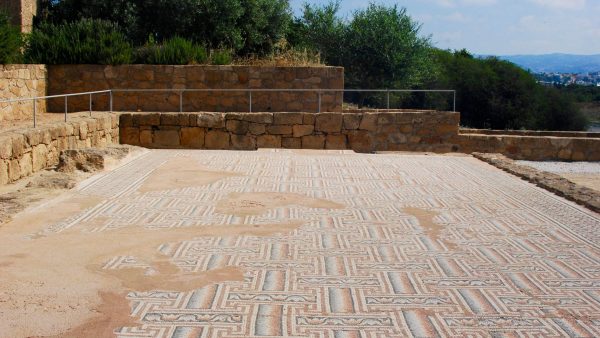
x=564 y=167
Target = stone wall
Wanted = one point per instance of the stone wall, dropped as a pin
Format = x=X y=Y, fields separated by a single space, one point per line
x=82 y=78
x=30 y=150
x=18 y=81
x=360 y=131
x=576 y=134
x=533 y=148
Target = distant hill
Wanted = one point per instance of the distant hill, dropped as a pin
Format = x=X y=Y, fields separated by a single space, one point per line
x=557 y=63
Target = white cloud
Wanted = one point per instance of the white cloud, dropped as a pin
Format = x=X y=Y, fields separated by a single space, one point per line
x=561 y=4
x=479 y=2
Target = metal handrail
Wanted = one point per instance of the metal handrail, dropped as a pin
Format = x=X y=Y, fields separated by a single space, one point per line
x=319 y=93
x=66 y=96
x=267 y=90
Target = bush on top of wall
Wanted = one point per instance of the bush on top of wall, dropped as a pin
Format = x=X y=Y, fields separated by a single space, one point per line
x=11 y=41
x=85 y=41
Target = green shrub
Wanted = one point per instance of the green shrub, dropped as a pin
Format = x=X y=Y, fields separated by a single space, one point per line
x=11 y=41
x=221 y=57
x=246 y=26
x=175 y=51
x=83 y=42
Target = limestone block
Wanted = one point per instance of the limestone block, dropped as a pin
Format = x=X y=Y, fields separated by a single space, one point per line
x=170 y=119
x=251 y=117
x=243 y=142
x=129 y=135
x=386 y=118
x=83 y=130
x=291 y=143
x=351 y=121
x=329 y=122
x=309 y=118
x=279 y=130
x=217 y=139
x=4 y=177
x=368 y=122
x=6 y=147
x=26 y=165
x=126 y=120
x=18 y=145
x=14 y=170
x=288 y=118
x=335 y=142
x=149 y=119
x=257 y=128
x=192 y=137
x=313 y=142
x=33 y=137
x=268 y=141
x=39 y=157
x=303 y=130
x=167 y=138
x=69 y=130
x=237 y=126
x=146 y=137
x=360 y=141
x=210 y=120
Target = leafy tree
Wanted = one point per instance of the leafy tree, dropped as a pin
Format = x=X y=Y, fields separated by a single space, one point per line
x=264 y=23
x=247 y=26
x=82 y=42
x=320 y=29
x=384 y=49
x=11 y=41
x=497 y=94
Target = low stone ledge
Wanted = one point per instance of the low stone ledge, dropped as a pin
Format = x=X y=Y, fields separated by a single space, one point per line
x=554 y=183
x=28 y=150
x=533 y=148
x=361 y=131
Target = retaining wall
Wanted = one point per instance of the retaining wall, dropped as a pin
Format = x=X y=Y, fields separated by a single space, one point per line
x=534 y=148
x=82 y=78
x=23 y=152
x=19 y=81
x=359 y=131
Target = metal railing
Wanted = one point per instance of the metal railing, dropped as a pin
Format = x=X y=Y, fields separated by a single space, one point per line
x=318 y=92
x=35 y=99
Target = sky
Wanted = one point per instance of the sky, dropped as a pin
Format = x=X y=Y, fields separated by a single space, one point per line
x=499 y=27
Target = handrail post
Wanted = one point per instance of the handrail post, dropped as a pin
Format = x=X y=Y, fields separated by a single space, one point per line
x=319 y=92
x=111 y=101
x=66 y=107
x=454 y=104
x=34 y=112
x=388 y=99
x=250 y=101
x=90 y=105
x=181 y=102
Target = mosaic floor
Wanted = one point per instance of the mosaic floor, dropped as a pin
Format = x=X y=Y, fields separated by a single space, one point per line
x=387 y=245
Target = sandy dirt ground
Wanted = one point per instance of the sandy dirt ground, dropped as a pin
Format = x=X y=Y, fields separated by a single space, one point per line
x=277 y=243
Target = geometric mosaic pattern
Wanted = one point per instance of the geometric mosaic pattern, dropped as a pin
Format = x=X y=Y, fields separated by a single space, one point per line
x=501 y=257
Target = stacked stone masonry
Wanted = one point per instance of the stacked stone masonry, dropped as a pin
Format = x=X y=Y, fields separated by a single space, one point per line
x=21 y=81
x=83 y=78
x=359 y=131
x=533 y=148
x=23 y=152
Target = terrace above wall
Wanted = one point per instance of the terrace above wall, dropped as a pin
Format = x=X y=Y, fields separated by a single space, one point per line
x=82 y=78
